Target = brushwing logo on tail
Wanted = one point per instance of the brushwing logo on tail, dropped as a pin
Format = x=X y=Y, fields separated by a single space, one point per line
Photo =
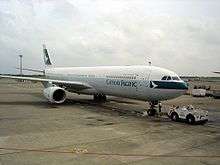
x=153 y=85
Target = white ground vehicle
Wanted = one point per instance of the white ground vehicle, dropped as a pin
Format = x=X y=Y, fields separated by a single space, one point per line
x=189 y=114
x=199 y=92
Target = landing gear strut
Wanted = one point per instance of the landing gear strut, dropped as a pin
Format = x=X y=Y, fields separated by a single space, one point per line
x=153 y=106
x=99 y=97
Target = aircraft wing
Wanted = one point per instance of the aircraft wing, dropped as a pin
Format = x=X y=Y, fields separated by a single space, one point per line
x=76 y=85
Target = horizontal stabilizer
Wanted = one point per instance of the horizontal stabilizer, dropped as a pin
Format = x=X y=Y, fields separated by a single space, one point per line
x=33 y=70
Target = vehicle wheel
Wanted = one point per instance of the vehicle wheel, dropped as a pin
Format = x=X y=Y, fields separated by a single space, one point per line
x=190 y=119
x=174 y=116
x=151 y=112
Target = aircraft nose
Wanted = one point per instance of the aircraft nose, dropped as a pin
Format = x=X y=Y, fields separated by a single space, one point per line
x=184 y=86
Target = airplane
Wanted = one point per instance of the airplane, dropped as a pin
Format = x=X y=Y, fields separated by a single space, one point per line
x=147 y=83
x=217 y=72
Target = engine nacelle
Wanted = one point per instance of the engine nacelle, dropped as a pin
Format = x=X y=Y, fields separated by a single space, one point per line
x=55 y=94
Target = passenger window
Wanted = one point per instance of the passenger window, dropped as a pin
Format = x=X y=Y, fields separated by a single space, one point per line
x=168 y=78
x=164 y=78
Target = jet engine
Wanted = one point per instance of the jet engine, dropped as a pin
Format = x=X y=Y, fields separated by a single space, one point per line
x=55 y=94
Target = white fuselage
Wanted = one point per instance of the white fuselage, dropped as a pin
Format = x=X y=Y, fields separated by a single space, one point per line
x=137 y=82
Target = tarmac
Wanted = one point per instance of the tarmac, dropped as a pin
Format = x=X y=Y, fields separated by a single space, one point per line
x=80 y=131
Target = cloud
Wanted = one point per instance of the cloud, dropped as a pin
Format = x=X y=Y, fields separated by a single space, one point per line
x=179 y=35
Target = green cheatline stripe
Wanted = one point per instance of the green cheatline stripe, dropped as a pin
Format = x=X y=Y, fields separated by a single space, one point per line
x=170 y=85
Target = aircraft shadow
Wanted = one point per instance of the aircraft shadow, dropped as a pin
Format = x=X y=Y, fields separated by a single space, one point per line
x=98 y=107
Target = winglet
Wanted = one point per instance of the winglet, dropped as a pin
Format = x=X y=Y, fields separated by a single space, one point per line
x=46 y=56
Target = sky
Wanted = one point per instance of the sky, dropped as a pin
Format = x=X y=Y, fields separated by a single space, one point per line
x=180 y=35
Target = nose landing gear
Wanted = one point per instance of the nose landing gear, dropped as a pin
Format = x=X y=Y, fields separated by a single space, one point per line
x=154 y=105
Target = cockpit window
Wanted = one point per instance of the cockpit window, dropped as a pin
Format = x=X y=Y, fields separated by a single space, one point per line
x=164 y=78
x=175 y=78
x=168 y=78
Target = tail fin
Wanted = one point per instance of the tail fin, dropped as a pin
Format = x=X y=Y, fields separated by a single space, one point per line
x=46 y=56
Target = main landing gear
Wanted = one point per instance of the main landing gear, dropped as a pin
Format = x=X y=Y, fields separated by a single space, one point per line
x=154 y=105
x=100 y=97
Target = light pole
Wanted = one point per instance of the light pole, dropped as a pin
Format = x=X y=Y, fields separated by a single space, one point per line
x=21 y=64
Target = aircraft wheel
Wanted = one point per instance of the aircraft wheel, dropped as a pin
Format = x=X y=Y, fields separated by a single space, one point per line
x=100 y=97
x=190 y=119
x=151 y=112
x=174 y=116
x=103 y=97
x=95 y=97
